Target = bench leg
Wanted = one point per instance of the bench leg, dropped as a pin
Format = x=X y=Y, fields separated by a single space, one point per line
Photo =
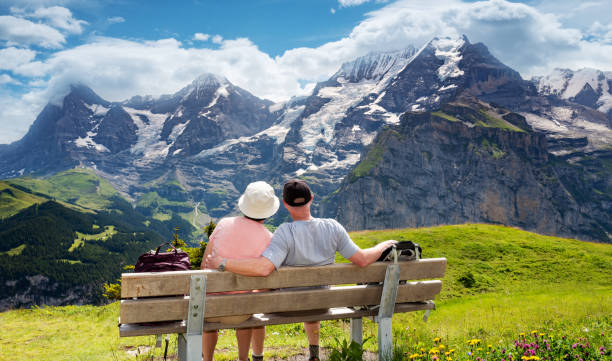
x=190 y=343
x=385 y=313
x=357 y=330
x=385 y=338
x=189 y=347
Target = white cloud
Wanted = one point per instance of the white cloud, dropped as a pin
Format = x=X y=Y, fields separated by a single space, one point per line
x=14 y=109
x=118 y=69
x=201 y=37
x=6 y=79
x=60 y=18
x=115 y=20
x=347 y=3
x=589 y=4
x=601 y=32
x=332 y=10
x=529 y=39
x=24 y=32
x=11 y=58
x=217 y=39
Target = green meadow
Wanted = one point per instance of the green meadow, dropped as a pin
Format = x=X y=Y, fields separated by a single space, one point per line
x=92 y=192
x=500 y=282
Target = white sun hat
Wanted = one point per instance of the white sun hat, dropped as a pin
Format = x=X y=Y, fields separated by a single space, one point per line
x=258 y=201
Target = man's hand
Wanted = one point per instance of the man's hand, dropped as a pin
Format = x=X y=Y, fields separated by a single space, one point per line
x=386 y=244
x=364 y=257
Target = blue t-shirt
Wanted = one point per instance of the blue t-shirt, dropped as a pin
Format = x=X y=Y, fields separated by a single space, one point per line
x=309 y=243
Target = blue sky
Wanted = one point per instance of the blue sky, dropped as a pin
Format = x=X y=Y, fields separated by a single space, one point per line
x=275 y=49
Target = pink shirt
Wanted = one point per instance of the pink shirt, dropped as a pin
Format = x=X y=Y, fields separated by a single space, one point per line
x=239 y=238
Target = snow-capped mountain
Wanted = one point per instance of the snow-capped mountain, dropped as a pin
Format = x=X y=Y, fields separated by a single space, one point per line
x=85 y=129
x=214 y=137
x=589 y=87
x=574 y=110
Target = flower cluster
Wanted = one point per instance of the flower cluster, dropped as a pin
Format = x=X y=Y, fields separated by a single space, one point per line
x=438 y=352
x=533 y=346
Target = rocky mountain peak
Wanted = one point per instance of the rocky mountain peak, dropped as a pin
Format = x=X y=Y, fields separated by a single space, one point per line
x=449 y=50
x=374 y=65
x=209 y=80
x=79 y=93
x=586 y=86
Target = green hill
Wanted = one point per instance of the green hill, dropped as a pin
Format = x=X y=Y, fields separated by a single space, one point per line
x=57 y=255
x=168 y=200
x=13 y=199
x=78 y=186
x=496 y=259
x=500 y=282
x=82 y=189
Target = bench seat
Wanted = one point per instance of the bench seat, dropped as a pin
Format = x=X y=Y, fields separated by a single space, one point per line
x=182 y=302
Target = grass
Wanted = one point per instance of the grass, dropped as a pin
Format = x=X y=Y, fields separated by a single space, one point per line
x=109 y=231
x=443 y=115
x=77 y=186
x=493 y=149
x=371 y=159
x=520 y=282
x=14 y=251
x=13 y=200
x=490 y=121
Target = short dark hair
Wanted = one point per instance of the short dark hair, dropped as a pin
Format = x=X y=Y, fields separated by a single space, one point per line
x=296 y=193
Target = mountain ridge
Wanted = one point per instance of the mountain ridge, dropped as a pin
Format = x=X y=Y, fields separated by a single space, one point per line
x=216 y=137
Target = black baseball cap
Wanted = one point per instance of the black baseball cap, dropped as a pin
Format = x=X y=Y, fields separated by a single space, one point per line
x=296 y=193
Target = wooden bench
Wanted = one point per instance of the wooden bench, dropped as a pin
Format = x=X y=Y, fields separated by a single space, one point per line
x=176 y=302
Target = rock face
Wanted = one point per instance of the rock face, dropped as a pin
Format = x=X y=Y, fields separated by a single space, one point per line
x=463 y=164
x=39 y=290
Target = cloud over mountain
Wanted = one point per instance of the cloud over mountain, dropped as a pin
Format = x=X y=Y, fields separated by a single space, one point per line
x=532 y=39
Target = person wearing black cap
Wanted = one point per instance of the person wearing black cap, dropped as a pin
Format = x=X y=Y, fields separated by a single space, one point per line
x=307 y=241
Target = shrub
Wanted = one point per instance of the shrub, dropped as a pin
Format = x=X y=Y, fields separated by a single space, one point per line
x=346 y=351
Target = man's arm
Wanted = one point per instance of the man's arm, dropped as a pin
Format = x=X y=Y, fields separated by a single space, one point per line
x=247 y=267
x=364 y=257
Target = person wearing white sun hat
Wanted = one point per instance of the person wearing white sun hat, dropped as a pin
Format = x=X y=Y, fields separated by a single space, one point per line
x=241 y=238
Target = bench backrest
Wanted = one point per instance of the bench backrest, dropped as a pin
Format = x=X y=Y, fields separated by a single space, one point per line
x=153 y=297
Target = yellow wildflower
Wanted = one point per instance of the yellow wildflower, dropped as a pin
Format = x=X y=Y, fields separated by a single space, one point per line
x=436 y=339
x=415 y=355
x=479 y=349
x=522 y=334
x=441 y=346
x=473 y=342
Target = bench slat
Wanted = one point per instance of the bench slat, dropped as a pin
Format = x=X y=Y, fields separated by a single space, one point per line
x=129 y=330
x=175 y=308
x=177 y=283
